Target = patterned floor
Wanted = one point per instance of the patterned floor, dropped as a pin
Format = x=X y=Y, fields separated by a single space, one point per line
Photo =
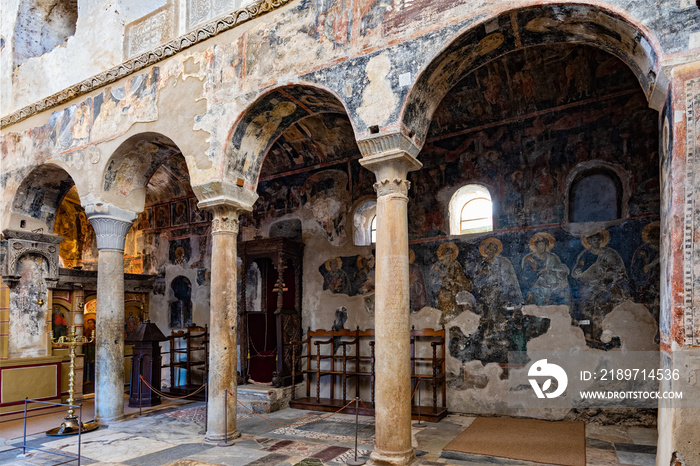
x=171 y=438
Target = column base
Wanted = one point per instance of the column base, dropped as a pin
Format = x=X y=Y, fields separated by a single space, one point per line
x=214 y=439
x=386 y=458
x=103 y=421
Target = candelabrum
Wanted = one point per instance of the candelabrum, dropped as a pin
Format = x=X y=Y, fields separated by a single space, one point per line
x=71 y=424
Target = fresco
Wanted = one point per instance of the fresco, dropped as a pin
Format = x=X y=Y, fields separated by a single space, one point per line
x=321 y=195
x=28 y=317
x=59 y=322
x=68 y=131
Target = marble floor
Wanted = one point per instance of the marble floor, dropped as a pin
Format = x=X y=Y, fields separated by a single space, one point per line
x=171 y=437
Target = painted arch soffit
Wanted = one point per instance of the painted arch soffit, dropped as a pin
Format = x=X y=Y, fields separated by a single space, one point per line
x=519 y=29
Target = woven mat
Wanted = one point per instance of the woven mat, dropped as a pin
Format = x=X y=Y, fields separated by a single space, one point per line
x=551 y=442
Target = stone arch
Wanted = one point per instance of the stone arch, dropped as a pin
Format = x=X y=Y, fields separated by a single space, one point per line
x=131 y=167
x=266 y=120
x=38 y=197
x=506 y=31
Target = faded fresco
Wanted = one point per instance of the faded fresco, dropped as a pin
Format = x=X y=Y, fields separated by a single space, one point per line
x=29 y=308
x=67 y=132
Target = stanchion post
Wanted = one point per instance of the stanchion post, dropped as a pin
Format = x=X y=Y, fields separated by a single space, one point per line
x=140 y=380
x=225 y=442
x=24 y=437
x=356 y=462
x=80 y=429
x=206 y=404
x=420 y=423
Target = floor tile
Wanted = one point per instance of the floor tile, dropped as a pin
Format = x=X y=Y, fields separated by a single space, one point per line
x=229 y=456
x=636 y=459
x=110 y=446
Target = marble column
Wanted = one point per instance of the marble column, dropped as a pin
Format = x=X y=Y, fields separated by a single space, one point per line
x=223 y=327
x=388 y=158
x=111 y=225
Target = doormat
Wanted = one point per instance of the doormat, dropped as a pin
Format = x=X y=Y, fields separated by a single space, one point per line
x=552 y=442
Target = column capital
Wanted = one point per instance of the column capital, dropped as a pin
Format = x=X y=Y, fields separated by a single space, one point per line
x=111 y=224
x=390 y=157
x=226 y=212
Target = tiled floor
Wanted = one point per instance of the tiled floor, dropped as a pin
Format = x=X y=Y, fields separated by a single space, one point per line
x=171 y=437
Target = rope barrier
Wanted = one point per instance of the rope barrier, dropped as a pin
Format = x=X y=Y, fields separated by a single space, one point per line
x=161 y=394
x=293 y=423
x=420 y=377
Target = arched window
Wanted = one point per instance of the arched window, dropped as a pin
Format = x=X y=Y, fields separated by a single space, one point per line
x=595 y=196
x=365 y=223
x=471 y=210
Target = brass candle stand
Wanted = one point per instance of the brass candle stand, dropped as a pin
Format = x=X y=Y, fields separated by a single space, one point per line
x=71 y=425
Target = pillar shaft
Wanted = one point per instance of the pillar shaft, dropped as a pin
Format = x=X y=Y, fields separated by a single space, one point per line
x=109 y=337
x=111 y=225
x=391 y=319
x=221 y=426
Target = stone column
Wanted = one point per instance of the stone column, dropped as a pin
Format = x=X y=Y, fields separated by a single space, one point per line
x=223 y=325
x=111 y=225
x=390 y=160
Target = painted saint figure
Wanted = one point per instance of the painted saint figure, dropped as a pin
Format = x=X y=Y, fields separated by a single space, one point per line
x=454 y=288
x=602 y=283
x=502 y=326
x=495 y=282
x=645 y=271
x=60 y=326
x=544 y=274
x=336 y=279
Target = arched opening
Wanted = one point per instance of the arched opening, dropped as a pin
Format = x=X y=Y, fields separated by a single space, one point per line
x=526 y=121
x=471 y=210
x=297 y=145
x=166 y=252
x=33 y=262
x=365 y=223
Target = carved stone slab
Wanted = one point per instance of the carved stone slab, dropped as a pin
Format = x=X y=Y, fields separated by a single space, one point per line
x=150 y=31
x=19 y=243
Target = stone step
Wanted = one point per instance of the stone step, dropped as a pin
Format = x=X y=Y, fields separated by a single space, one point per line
x=264 y=398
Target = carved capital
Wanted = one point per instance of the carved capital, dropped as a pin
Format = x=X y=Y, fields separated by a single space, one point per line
x=225 y=214
x=394 y=186
x=224 y=221
x=111 y=225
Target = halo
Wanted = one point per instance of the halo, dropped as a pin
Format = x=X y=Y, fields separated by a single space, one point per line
x=646 y=232
x=337 y=260
x=542 y=235
x=451 y=246
x=604 y=233
x=411 y=256
x=486 y=242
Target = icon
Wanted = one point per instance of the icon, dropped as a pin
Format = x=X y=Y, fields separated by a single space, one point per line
x=542 y=368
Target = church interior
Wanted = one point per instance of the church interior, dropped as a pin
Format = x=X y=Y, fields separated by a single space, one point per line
x=304 y=203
